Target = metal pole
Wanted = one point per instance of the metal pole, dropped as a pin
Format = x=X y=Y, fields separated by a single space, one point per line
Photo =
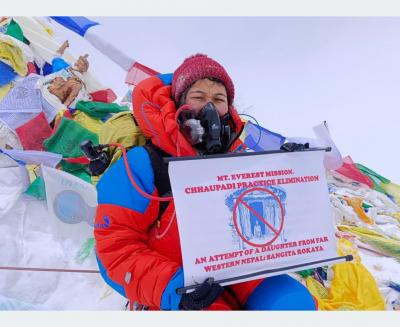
x=245 y=154
x=272 y=272
x=86 y=271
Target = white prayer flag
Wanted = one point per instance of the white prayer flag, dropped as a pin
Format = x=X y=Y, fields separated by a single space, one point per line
x=33 y=157
x=69 y=198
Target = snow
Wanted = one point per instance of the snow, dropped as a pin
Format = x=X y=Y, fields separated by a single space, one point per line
x=32 y=237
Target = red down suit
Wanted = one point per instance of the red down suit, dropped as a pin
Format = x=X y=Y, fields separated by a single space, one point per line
x=137 y=251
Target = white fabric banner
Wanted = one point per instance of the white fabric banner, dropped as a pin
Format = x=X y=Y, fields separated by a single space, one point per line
x=96 y=39
x=69 y=198
x=332 y=159
x=247 y=214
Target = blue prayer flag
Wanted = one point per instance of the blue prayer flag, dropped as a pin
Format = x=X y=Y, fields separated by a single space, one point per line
x=78 y=24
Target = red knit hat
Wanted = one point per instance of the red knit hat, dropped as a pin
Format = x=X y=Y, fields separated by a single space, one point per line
x=197 y=67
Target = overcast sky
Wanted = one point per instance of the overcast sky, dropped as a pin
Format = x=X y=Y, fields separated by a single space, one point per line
x=291 y=73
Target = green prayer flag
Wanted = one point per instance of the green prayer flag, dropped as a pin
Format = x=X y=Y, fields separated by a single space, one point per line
x=369 y=172
x=68 y=138
x=376 y=179
x=78 y=170
x=37 y=189
x=15 y=31
x=66 y=141
x=99 y=110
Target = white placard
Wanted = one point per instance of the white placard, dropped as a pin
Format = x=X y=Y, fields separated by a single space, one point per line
x=246 y=214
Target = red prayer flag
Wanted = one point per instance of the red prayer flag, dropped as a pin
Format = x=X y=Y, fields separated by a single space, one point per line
x=139 y=72
x=107 y=96
x=34 y=132
x=350 y=170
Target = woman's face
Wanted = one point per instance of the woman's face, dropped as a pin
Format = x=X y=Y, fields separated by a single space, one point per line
x=204 y=91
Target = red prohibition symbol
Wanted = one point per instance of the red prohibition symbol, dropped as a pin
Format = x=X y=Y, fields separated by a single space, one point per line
x=240 y=201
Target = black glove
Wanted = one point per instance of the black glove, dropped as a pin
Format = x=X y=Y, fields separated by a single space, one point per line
x=202 y=297
x=290 y=147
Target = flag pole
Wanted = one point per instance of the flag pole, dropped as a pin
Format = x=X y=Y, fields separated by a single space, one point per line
x=272 y=272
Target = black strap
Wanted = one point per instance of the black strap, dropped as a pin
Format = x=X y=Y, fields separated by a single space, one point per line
x=161 y=177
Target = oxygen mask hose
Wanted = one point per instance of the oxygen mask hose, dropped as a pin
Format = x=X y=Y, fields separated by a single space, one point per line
x=132 y=179
x=99 y=157
x=191 y=128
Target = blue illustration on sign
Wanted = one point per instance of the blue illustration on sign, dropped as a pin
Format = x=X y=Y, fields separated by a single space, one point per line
x=71 y=208
x=259 y=215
